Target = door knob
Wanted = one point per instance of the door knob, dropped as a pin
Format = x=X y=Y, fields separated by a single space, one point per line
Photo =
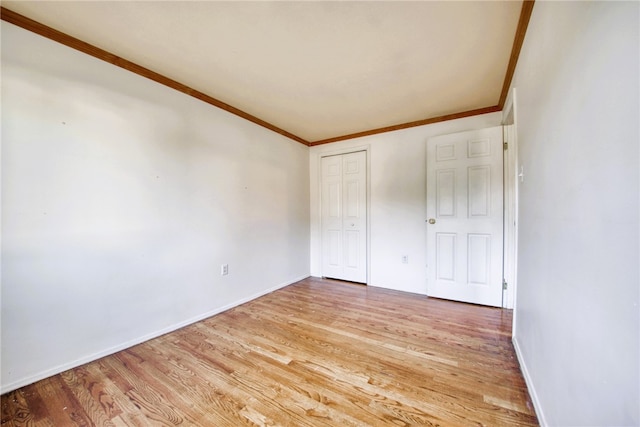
x=432 y=221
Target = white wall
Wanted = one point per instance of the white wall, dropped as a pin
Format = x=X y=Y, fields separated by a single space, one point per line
x=397 y=200
x=577 y=329
x=121 y=198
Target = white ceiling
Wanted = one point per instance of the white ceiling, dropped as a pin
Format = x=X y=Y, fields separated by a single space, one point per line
x=315 y=69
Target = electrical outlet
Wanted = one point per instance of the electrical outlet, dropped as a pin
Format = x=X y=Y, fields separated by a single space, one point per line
x=224 y=269
x=405 y=259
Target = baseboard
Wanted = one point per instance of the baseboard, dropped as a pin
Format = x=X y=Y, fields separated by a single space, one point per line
x=527 y=378
x=95 y=356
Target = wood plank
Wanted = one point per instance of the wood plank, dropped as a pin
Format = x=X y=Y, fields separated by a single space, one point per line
x=316 y=353
x=365 y=376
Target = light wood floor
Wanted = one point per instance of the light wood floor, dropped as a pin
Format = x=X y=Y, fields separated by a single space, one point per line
x=316 y=353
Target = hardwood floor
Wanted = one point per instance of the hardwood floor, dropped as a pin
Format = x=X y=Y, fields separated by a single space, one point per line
x=316 y=353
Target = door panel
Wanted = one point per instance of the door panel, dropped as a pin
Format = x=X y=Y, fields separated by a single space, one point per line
x=446 y=193
x=344 y=217
x=446 y=256
x=335 y=200
x=464 y=200
x=479 y=194
x=332 y=241
x=352 y=239
x=334 y=245
x=352 y=199
x=479 y=258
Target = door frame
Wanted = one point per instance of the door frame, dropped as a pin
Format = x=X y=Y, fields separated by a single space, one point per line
x=337 y=152
x=510 y=188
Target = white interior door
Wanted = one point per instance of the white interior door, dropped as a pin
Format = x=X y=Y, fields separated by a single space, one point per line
x=464 y=216
x=344 y=216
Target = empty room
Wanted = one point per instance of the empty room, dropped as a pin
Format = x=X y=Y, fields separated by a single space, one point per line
x=331 y=213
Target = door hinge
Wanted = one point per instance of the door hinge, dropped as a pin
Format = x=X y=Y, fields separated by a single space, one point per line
x=504 y=285
x=506 y=145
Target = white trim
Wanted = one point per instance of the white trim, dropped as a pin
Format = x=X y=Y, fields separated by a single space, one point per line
x=505 y=217
x=347 y=150
x=537 y=407
x=510 y=271
x=95 y=356
x=508 y=105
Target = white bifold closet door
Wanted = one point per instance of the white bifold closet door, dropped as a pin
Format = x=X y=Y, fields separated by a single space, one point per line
x=344 y=216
